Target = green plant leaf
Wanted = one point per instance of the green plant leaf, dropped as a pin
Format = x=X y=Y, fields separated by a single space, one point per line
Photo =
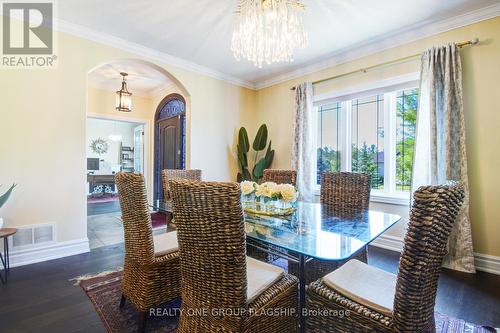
x=242 y=158
x=243 y=140
x=239 y=177
x=269 y=147
x=260 y=141
x=246 y=174
x=269 y=159
x=4 y=197
x=258 y=169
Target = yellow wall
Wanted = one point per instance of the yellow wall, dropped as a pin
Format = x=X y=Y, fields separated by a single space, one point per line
x=42 y=132
x=481 y=86
x=43 y=112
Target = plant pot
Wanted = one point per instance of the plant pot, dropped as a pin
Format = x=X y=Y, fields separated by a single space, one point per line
x=1 y=223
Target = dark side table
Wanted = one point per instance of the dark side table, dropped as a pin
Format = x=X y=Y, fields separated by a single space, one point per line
x=4 y=234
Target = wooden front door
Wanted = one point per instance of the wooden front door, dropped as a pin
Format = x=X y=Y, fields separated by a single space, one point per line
x=170 y=146
x=170 y=143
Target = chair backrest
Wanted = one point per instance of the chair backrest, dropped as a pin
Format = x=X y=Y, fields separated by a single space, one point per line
x=280 y=176
x=433 y=214
x=211 y=236
x=169 y=174
x=345 y=190
x=136 y=217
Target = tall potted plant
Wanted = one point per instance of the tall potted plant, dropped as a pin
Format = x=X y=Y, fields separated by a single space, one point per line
x=261 y=160
x=3 y=199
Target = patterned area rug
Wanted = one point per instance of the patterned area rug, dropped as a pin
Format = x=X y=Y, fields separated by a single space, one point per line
x=159 y=220
x=105 y=293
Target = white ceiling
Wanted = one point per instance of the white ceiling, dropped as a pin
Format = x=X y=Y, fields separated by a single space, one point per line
x=142 y=79
x=199 y=31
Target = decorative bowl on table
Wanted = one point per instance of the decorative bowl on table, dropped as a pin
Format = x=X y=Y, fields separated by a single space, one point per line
x=268 y=199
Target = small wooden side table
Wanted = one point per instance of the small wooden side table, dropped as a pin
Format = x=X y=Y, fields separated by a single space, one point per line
x=5 y=233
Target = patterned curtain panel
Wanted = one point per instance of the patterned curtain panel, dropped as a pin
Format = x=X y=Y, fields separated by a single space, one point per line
x=303 y=150
x=441 y=127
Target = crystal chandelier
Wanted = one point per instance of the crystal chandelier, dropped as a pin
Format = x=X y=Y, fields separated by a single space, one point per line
x=268 y=30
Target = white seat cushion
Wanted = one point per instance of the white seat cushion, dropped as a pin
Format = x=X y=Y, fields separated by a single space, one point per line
x=364 y=284
x=165 y=243
x=260 y=276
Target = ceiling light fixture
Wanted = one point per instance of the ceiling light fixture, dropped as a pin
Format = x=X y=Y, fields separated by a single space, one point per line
x=268 y=30
x=123 y=97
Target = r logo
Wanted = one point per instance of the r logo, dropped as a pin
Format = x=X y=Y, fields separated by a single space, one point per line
x=27 y=28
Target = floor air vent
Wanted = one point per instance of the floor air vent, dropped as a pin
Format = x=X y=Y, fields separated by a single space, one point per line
x=33 y=235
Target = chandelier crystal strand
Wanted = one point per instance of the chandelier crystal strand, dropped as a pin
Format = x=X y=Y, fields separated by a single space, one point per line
x=268 y=30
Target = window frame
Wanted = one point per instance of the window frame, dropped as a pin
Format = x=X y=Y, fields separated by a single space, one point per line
x=389 y=88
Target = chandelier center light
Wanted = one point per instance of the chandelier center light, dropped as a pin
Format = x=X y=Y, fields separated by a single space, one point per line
x=268 y=30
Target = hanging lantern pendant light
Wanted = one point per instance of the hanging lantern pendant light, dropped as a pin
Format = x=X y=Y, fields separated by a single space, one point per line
x=123 y=97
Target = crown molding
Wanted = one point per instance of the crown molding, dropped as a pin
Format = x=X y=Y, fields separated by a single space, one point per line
x=162 y=90
x=384 y=42
x=122 y=44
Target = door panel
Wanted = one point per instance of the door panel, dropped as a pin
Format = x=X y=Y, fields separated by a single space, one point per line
x=170 y=136
x=139 y=149
x=170 y=143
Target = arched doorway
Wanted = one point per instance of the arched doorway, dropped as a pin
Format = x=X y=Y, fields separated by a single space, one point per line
x=170 y=138
x=145 y=79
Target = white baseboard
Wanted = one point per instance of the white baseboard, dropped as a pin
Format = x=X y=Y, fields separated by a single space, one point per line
x=389 y=242
x=487 y=263
x=48 y=252
x=483 y=262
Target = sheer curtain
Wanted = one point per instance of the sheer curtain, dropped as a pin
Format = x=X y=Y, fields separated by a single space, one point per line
x=303 y=143
x=440 y=153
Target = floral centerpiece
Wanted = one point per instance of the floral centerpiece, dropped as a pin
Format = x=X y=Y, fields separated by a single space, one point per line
x=268 y=198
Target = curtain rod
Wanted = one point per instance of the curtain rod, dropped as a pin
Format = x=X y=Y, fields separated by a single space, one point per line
x=366 y=69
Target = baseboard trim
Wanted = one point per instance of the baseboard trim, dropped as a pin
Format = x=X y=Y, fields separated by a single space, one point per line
x=487 y=263
x=484 y=262
x=389 y=242
x=48 y=252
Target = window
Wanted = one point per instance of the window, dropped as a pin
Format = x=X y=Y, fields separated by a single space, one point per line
x=367 y=138
x=373 y=133
x=328 y=155
x=405 y=137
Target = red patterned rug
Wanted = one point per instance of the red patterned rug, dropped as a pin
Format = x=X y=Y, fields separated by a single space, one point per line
x=159 y=220
x=105 y=293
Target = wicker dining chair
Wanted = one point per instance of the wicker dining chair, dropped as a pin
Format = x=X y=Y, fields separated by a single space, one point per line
x=343 y=194
x=217 y=277
x=280 y=176
x=345 y=190
x=151 y=274
x=169 y=174
x=378 y=301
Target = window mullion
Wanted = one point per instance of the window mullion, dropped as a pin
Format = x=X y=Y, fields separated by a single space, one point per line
x=390 y=105
x=345 y=127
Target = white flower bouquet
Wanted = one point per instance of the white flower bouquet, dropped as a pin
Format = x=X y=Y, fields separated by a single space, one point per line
x=268 y=198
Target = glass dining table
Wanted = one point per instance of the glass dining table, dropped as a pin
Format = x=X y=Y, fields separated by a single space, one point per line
x=313 y=231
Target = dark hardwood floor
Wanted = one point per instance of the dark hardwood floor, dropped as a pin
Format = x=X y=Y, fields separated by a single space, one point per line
x=40 y=297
